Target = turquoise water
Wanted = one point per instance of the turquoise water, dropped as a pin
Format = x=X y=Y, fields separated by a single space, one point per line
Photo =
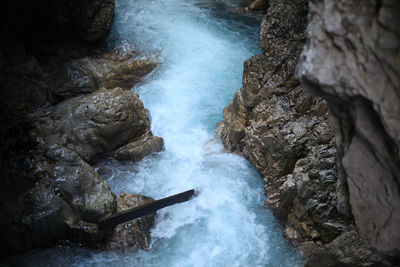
x=201 y=47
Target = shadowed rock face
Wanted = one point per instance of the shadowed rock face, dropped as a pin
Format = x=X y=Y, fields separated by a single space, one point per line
x=57 y=20
x=64 y=106
x=285 y=132
x=352 y=59
x=49 y=191
x=94 y=125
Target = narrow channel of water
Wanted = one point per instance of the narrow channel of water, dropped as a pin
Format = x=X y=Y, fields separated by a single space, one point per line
x=202 y=47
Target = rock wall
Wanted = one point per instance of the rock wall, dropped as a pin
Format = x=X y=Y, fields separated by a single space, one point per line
x=352 y=59
x=66 y=105
x=49 y=20
x=285 y=132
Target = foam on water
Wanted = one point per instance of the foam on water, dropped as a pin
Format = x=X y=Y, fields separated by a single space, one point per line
x=202 y=48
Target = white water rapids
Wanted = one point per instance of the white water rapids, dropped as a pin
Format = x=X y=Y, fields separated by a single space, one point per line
x=202 y=47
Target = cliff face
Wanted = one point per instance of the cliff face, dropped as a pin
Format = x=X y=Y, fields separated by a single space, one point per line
x=285 y=132
x=65 y=105
x=352 y=59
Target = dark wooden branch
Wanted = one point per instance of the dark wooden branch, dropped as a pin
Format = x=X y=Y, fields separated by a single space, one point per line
x=112 y=221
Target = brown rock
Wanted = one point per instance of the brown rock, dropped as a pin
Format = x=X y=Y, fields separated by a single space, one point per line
x=63 y=193
x=140 y=148
x=134 y=234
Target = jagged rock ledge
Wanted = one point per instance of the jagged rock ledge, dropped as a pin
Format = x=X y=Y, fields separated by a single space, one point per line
x=285 y=131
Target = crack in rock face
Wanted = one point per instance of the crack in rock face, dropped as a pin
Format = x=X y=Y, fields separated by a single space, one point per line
x=352 y=59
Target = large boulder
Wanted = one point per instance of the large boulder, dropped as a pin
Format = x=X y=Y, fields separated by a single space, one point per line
x=285 y=132
x=95 y=125
x=58 y=192
x=352 y=59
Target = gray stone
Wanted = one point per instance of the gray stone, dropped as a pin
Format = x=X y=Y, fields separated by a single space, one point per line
x=285 y=132
x=352 y=59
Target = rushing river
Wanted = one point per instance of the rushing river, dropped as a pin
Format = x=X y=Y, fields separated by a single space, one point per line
x=201 y=47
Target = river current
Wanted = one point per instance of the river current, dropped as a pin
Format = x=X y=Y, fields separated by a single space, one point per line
x=201 y=47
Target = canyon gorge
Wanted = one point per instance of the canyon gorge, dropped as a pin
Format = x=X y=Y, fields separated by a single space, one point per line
x=107 y=105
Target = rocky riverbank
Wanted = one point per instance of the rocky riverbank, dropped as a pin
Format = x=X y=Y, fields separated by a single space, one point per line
x=66 y=104
x=285 y=132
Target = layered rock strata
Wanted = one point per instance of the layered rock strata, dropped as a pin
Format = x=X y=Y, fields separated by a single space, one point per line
x=285 y=132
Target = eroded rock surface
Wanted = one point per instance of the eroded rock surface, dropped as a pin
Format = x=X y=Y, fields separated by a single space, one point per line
x=352 y=59
x=97 y=124
x=285 y=132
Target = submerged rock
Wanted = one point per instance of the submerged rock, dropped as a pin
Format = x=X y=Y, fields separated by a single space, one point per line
x=134 y=234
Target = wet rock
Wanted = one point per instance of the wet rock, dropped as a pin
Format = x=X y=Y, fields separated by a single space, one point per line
x=133 y=234
x=50 y=131
x=64 y=71
x=140 y=148
x=63 y=190
x=352 y=59
x=109 y=70
x=94 y=125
